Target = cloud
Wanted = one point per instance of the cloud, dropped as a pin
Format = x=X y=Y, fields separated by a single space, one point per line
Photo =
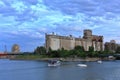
x=88 y=7
x=18 y=6
x=72 y=7
x=26 y=21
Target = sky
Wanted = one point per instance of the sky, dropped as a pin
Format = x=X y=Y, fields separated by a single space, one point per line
x=25 y=22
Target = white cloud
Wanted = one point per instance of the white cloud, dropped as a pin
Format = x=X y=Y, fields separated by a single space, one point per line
x=2 y=4
x=19 y=6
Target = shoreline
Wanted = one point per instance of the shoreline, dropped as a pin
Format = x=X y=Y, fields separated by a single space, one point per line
x=42 y=58
x=61 y=59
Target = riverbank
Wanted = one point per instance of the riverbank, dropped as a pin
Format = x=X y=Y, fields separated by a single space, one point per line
x=47 y=59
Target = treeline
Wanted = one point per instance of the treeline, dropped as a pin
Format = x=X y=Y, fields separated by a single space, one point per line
x=78 y=51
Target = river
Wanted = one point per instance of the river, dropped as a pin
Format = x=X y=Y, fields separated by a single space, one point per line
x=38 y=70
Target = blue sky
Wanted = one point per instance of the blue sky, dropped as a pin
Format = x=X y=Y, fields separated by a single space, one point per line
x=25 y=22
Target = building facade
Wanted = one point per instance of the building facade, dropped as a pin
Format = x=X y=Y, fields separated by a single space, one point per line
x=111 y=46
x=56 y=42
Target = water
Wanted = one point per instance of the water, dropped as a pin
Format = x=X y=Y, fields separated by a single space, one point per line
x=38 y=70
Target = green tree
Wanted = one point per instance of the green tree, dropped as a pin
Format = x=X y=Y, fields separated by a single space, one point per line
x=55 y=53
x=80 y=48
x=63 y=52
x=40 y=50
x=91 y=51
x=82 y=54
x=118 y=49
x=79 y=51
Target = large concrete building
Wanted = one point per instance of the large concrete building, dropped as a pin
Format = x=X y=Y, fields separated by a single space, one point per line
x=56 y=42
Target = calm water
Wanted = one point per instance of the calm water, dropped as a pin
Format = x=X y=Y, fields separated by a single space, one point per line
x=37 y=70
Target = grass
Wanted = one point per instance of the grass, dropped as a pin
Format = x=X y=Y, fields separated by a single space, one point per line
x=30 y=56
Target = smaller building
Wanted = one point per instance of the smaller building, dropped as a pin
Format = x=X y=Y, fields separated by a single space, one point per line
x=15 y=48
x=111 y=46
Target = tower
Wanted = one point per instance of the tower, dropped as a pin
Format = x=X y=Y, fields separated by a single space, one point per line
x=87 y=34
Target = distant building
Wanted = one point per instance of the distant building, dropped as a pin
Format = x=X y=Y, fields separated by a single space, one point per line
x=15 y=48
x=56 y=42
x=111 y=46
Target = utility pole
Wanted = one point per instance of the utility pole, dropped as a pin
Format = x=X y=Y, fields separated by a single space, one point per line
x=5 y=49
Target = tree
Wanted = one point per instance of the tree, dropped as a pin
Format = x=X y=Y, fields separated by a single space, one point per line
x=55 y=53
x=79 y=51
x=49 y=51
x=91 y=52
x=82 y=54
x=63 y=53
x=40 y=50
x=91 y=49
x=118 y=49
x=80 y=48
